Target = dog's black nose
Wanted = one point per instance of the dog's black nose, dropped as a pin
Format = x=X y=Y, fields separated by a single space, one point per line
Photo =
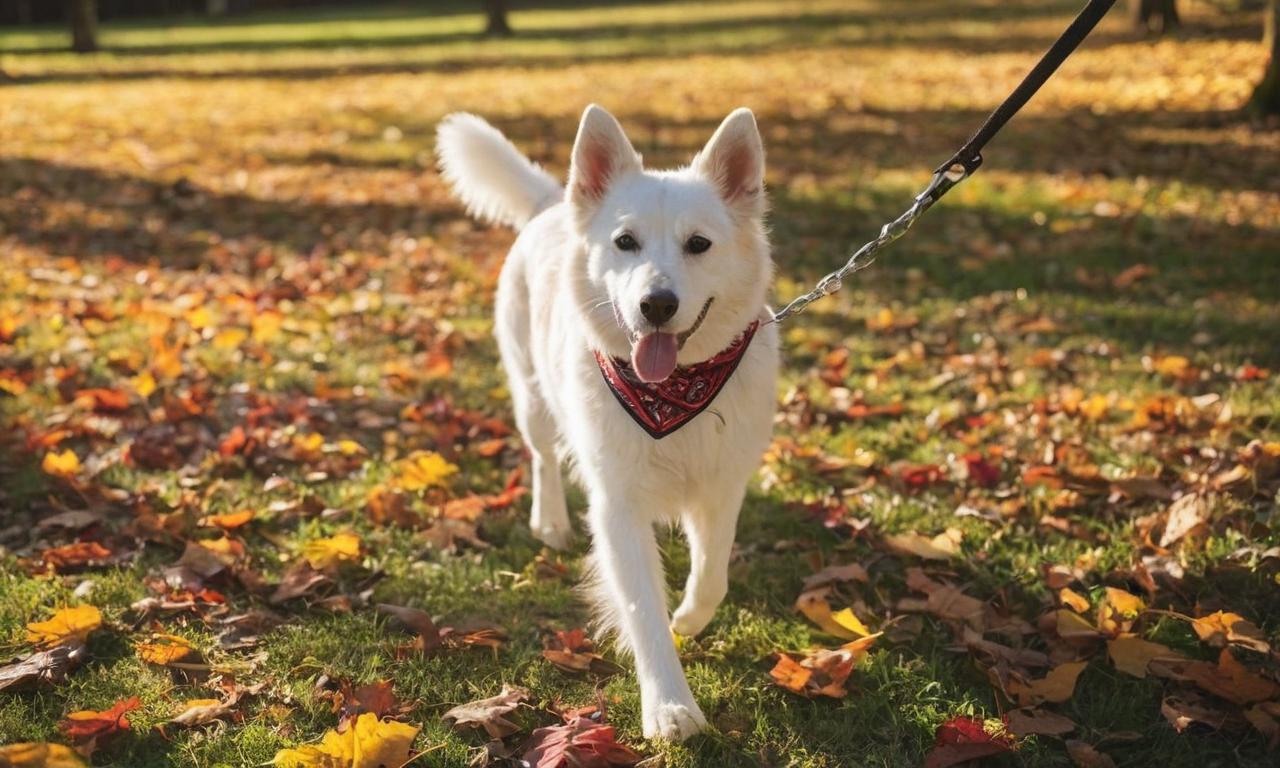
x=659 y=307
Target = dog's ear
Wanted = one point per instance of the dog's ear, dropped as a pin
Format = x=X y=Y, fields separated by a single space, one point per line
x=733 y=160
x=601 y=154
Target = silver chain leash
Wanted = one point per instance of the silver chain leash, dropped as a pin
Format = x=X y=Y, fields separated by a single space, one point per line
x=865 y=256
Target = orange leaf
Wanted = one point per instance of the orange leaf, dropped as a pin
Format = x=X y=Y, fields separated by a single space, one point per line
x=65 y=625
x=164 y=649
x=41 y=755
x=229 y=520
x=1056 y=687
x=87 y=726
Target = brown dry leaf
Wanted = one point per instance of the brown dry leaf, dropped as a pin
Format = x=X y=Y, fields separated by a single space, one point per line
x=945 y=601
x=301 y=580
x=1086 y=756
x=1038 y=722
x=377 y=697
x=1265 y=718
x=834 y=574
x=1228 y=679
x=202 y=711
x=1219 y=628
x=43 y=667
x=490 y=713
x=573 y=651
x=165 y=649
x=1183 y=710
x=944 y=546
x=1055 y=687
x=1131 y=654
x=1073 y=626
x=79 y=554
x=1189 y=514
x=64 y=626
x=40 y=755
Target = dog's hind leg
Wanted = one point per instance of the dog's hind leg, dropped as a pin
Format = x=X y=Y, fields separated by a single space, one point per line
x=631 y=593
x=710 y=530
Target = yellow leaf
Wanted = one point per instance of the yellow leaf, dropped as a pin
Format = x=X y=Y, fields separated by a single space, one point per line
x=228 y=520
x=848 y=620
x=167 y=363
x=844 y=624
x=1073 y=600
x=144 y=384
x=349 y=447
x=266 y=326
x=371 y=743
x=423 y=470
x=66 y=624
x=1094 y=408
x=65 y=464
x=40 y=755
x=1117 y=611
x=1131 y=654
x=327 y=553
x=1173 y=365
x=944 y=546
x=1219 y=628
x=229 y=338
x=1073 y=626
x=1056 y=687
x=199 y=318
x=164 y=649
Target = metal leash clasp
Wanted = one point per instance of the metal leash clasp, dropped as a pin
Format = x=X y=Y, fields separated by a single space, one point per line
x=944 y=178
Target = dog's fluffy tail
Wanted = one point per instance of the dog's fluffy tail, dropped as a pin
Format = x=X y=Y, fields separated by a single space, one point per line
x=489 y=175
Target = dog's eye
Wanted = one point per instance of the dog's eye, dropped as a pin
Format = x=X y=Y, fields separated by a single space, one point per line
x=626 y=242
x=697 y=244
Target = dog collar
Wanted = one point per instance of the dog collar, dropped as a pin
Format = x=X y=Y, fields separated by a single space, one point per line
x=662 y=408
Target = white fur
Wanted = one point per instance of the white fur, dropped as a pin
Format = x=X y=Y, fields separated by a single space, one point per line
x=566 y=290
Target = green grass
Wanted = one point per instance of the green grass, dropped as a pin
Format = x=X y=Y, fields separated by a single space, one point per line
x=284 y=162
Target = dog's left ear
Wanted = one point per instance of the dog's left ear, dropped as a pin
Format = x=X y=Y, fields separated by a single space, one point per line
x=733 y=160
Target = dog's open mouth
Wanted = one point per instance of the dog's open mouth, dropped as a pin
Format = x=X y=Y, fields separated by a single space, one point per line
x=653 y=355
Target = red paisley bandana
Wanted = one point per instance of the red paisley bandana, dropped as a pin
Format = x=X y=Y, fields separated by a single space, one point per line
x=662 y=408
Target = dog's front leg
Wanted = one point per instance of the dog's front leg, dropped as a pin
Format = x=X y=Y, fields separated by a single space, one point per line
x=709 y=528
x=630 y=571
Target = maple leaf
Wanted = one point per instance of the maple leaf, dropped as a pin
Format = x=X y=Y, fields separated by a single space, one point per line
x=330 y=552
x=490 y=713
x=962 y=739
x=64 y=465
x=422 y=470
x=86 y=728
x=66 y=625
x=580 y=743
x=821 y=672
x=370 y=743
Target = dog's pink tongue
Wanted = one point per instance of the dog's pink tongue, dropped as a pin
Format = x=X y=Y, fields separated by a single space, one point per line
x=654 y=357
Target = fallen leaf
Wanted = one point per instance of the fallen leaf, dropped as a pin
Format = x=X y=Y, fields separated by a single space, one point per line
x=201 y=712
x=1037 y=722
x=87 y=727
x=1228 y=679
x=43 y=667
x=370 y=743
x=1074 y=600
x=1220 y=628
x=40 y=755
x=66 y=625
x=821 y=672
x=1183 y=710
x=1188 y=514
x=422 y=470
x=301 y=580
x=843 y=624
x=1131 y=654
x=579 y=743
x=1055 y=687
x=962 y=739
x=65 y=464
x=490 y=713
x=1086 y=756
x=833 y=574
x=164 y=649
x=1118 y=610
x=329 y=553
x=76 y=555
x=228 y=521
x=944 y=546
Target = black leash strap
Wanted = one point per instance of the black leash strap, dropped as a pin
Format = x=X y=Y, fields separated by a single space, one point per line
x=965 y=162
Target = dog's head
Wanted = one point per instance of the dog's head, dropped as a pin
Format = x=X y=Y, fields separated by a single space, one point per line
x=673 y=264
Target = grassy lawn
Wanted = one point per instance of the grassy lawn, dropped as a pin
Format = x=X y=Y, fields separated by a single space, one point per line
x=210 y=231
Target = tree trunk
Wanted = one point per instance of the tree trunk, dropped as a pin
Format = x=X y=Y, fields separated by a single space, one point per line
x=497 y=26
x=1158 y=16
x=84 y=25
x=1266 y=97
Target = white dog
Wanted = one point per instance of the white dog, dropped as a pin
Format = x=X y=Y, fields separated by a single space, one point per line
x=630 y=302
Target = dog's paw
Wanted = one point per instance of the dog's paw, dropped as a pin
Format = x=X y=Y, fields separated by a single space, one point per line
x=689 y=620
x=672 y=721
x=554 y=536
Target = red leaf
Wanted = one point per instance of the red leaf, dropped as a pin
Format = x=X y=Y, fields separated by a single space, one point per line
x=981 y=473
x=85 y=728
x=579 y=744
x=961 y=739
